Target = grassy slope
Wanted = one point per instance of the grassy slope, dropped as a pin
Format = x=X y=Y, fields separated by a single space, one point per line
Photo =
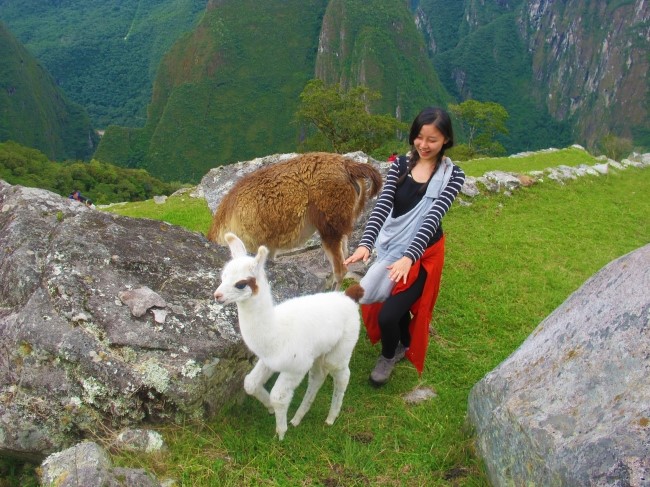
x=510 y=261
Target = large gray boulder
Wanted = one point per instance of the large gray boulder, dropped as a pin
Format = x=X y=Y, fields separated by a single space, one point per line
x=107 y=322
x=572 y=405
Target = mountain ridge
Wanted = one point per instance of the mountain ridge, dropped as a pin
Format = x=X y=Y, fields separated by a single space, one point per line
x=34 y=111
x=227 y=89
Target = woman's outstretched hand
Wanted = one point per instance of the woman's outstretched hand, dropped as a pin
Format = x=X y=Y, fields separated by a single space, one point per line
x=400 y=269
x=362 y=253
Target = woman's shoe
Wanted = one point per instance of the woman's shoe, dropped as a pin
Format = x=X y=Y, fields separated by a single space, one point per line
x=383 y=368
x=400 y=352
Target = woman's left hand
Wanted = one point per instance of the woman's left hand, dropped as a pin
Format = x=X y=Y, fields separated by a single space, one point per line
x=400 y=269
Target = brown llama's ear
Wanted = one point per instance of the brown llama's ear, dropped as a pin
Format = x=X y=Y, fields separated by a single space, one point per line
x=260 y=258
x=237 y=248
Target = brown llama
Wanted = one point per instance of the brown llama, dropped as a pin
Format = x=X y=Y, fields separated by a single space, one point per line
x=280 y=206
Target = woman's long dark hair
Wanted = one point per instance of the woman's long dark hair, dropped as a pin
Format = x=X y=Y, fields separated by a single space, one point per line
x=442 y=121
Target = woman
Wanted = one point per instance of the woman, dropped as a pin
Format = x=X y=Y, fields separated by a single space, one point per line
x=404 y=226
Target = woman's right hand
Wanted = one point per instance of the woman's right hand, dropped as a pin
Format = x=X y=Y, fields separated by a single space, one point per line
x=362 y=253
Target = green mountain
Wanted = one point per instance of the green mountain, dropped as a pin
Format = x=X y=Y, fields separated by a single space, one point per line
x=377 y=44
x=103 y=53
x=34 y=111
x=229 y=91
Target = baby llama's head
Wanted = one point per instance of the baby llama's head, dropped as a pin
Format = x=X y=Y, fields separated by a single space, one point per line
x=240 y=275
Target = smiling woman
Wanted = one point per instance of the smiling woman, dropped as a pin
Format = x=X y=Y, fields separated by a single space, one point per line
x=402 y=285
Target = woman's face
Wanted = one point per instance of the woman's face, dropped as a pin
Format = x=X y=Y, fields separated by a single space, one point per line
x=429 y=143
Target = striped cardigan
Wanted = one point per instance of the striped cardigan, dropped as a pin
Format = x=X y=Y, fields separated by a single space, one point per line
x=385 y=202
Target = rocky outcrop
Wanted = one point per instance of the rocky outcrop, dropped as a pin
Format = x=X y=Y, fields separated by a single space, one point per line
x=570 y=406
x=108 y=322
x=590 y=63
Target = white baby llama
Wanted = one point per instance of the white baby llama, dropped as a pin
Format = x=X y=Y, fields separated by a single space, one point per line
x=315 y=333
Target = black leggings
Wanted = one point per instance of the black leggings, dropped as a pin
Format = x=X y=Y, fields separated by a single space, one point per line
x=395 y=317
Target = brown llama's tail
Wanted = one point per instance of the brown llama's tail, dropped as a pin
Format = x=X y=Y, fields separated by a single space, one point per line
x=355 y=292
x=361 y=170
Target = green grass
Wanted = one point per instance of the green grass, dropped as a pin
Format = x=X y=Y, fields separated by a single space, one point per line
x=536 y=161
x=510 y=261
x=183 y=210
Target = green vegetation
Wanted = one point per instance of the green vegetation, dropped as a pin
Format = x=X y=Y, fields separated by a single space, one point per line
x=615 y=147
x=535 y=161
x=15 y=474
x=502 y=75
x=34 y=111
x=481 y=121
x=218 y=98
x=508 y=265
x=102 y=183
x=103 y=53
x=342 y=119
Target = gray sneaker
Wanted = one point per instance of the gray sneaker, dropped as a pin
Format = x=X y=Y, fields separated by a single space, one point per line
x=383 y=368
x=400 y=352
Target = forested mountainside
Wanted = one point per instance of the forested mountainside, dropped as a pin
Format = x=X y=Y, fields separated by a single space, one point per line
x=583 y=63
x=34 y=111
x=230 y=90
x=566 y=72
x=103 y=53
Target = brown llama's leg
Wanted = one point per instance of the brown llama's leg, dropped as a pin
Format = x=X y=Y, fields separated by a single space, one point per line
x=334 y=251
x=344 y=247
x=333 y=222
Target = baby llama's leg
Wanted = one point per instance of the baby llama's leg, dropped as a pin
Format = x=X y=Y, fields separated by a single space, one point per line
x=254 y=384
x=281 y=395
x=317 y=375
x=341 y=378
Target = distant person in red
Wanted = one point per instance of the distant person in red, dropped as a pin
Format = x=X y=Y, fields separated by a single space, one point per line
x=76 y=195
x=393 y=157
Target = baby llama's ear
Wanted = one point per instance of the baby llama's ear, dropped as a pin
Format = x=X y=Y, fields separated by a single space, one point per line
x=260 y=258
x=237 y=248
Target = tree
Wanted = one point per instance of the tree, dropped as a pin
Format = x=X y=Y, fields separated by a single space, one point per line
x=615 y=147
x=342 y=120
x=482 y=121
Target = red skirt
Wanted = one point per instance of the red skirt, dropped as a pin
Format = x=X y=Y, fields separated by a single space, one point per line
x=422 y=309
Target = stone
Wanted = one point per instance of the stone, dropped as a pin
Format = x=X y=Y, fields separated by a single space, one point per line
x=88 y=464
x=504 y=180
x=419 y=395
x=75 y=360
x=470 y=187
x=143 y=440
x=570 y=406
